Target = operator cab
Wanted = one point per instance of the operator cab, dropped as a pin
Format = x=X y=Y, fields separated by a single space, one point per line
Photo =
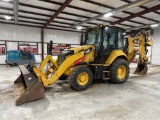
x=106 y=39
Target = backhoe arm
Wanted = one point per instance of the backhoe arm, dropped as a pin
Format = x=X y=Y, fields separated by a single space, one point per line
x=142 y=47
x=129 y=49
x=142 y=62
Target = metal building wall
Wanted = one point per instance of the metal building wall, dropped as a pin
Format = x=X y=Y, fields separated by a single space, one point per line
x=23 y=33
x=155 y=59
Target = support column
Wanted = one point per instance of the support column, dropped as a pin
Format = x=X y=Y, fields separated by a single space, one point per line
x=42 y=43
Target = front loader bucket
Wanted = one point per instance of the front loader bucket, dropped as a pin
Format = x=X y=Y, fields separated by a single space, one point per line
x=27 y=88
x=141 y=69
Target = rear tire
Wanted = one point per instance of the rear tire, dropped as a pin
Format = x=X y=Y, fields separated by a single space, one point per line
x=81 y=78
x=119 y=71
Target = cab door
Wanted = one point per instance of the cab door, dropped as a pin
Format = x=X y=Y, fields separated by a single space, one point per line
x=112 y=40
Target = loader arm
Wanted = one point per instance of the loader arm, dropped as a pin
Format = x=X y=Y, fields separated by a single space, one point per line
x=59 y=70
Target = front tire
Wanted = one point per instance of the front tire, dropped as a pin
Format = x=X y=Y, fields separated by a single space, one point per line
x=81 y=78
x=119 y=71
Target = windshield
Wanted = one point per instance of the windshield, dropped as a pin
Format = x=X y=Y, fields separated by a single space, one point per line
x=109 y=38
x=113 y=38
x=93 y=36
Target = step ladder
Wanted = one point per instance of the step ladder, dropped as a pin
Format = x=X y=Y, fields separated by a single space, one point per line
x=105 y=78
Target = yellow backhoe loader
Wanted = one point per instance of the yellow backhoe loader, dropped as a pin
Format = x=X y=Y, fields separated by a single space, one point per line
x=103 y=55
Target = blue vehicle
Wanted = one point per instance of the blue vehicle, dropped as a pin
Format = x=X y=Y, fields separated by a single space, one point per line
x=18 y=57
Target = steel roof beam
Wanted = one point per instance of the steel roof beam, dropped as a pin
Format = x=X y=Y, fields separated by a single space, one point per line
x=40 y=14
x=39 y=23
x=15 y=8
x=47 y=9
x=116 y=10
x=21 y=24
x=157 y=7
x=42 y=19
x=86 y=10
x=62 y=18
x=127 y=1
x=65 y=4
x=66 y=13
x=71 y=6
x=126 y=25
x=109 y=7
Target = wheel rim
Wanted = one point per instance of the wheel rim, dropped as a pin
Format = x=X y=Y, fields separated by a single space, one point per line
x=83 y=78
x=121 y=72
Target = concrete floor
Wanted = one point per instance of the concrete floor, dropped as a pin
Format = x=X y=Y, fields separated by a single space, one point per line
x=137 y=99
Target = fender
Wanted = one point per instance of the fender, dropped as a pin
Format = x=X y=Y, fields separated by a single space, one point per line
x=114 y=54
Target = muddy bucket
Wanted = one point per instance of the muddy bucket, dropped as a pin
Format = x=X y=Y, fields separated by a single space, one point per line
x=141 y=69
x=27 y=88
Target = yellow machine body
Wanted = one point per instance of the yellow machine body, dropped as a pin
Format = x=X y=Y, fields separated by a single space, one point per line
x=68 y=65
x=65 y=67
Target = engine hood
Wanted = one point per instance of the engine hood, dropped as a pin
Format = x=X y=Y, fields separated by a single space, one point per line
x=80 y=48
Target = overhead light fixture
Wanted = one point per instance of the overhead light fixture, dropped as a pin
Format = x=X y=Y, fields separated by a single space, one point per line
x=6 y=0
x=108 y=14
x=79 y=27
x=124 y=33
x=154 y=25
x=106 y=28
x=7 y=17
